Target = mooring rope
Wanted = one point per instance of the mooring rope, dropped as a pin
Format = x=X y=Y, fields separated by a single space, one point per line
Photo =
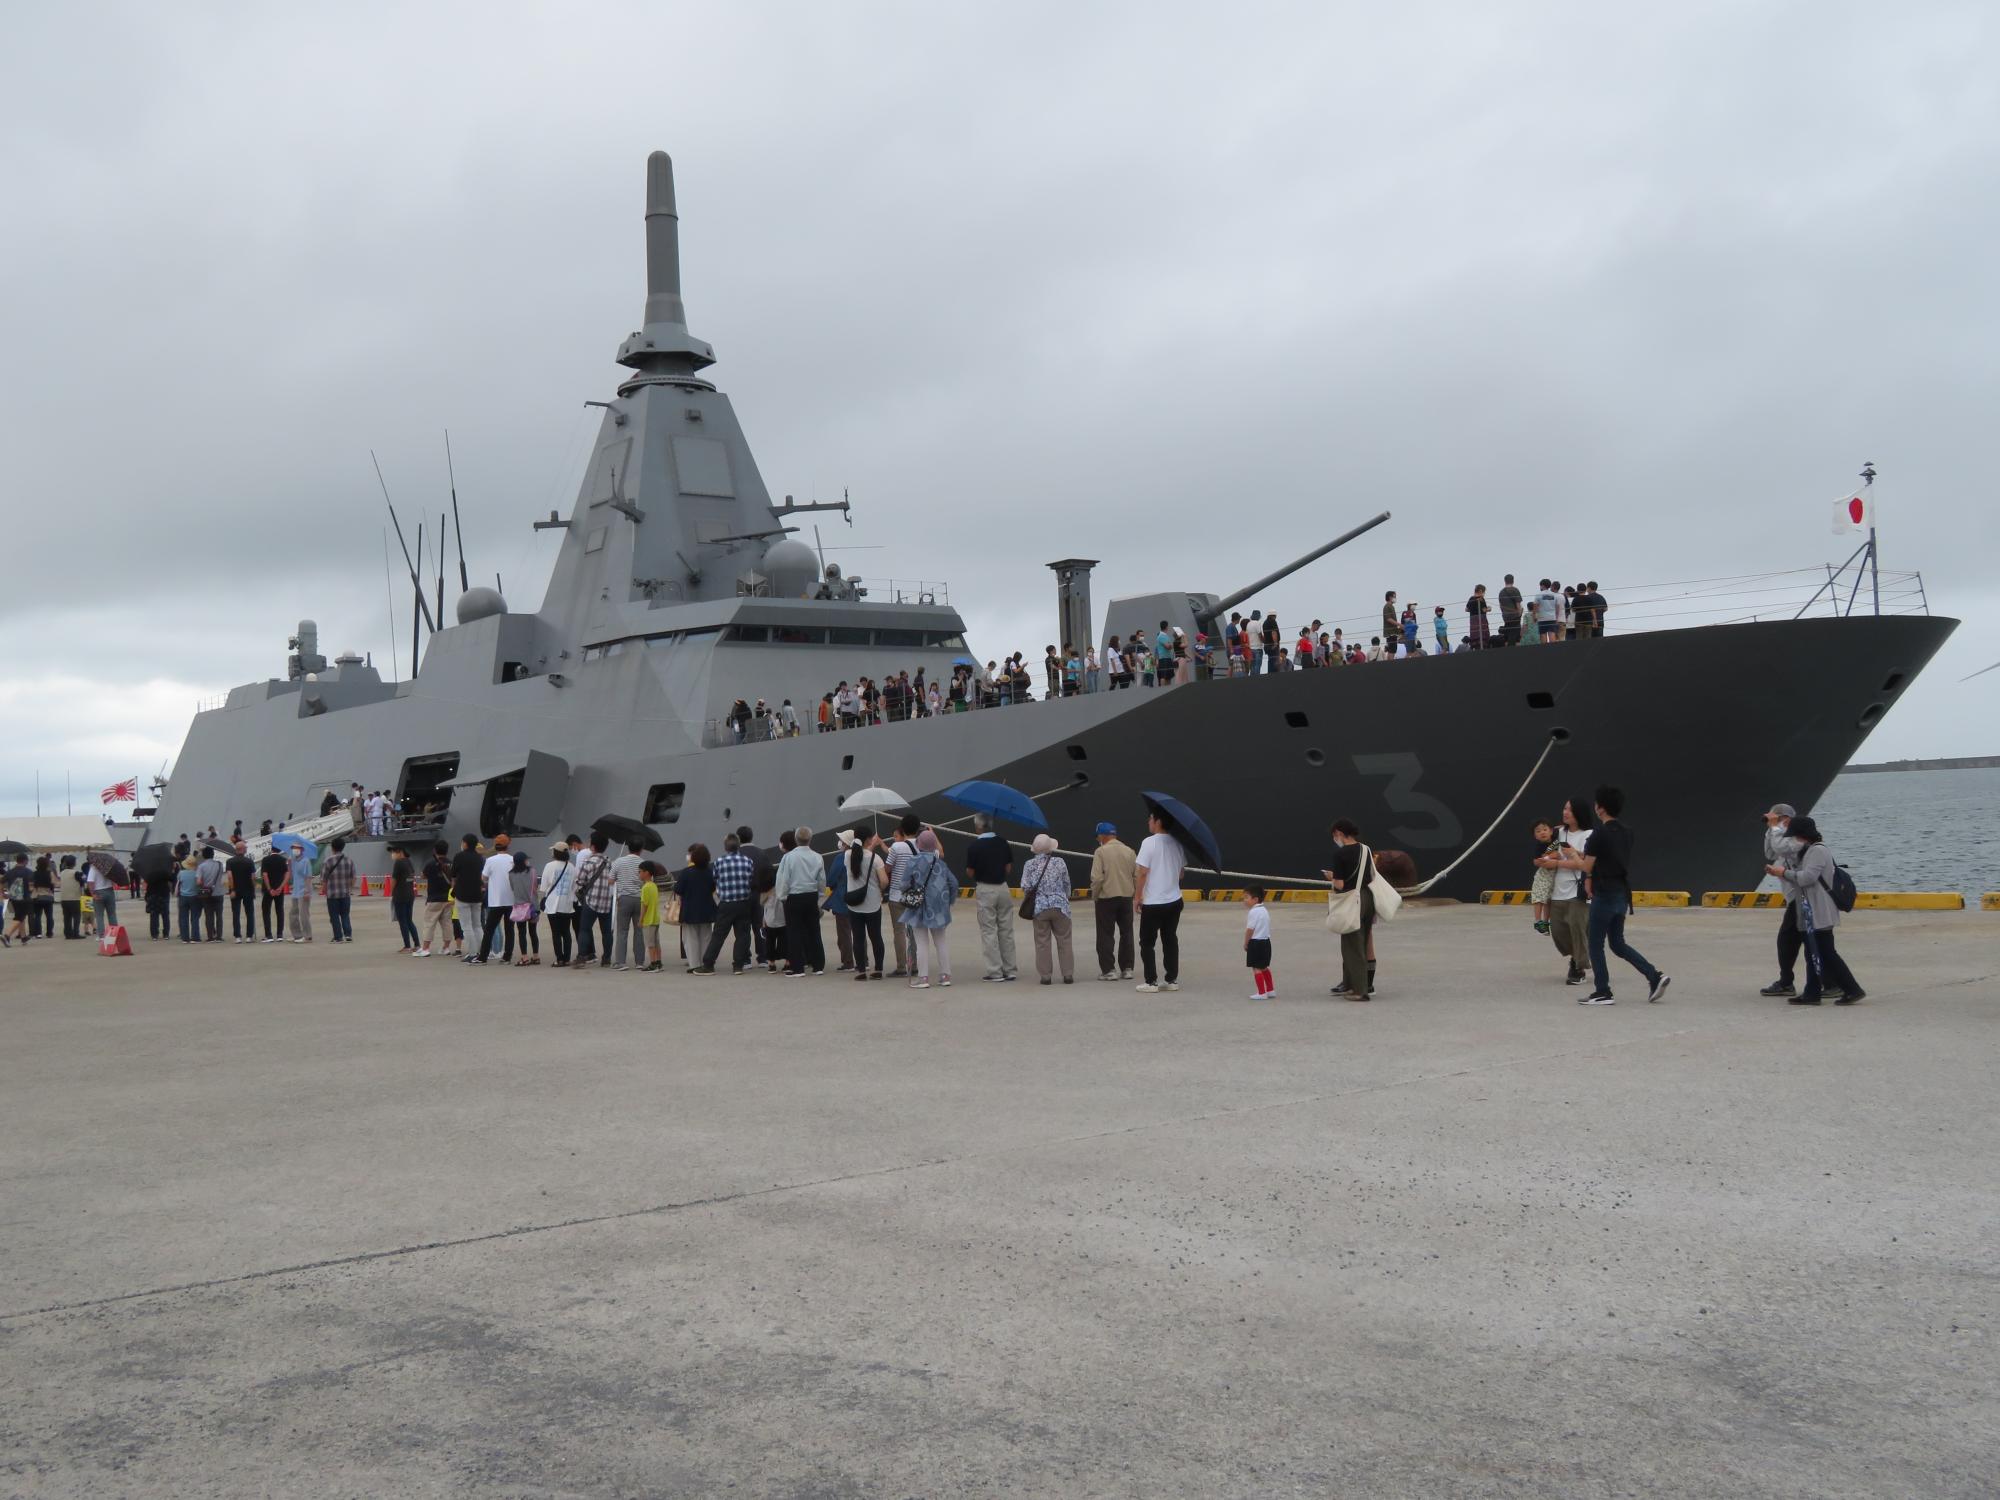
x=1409 y=890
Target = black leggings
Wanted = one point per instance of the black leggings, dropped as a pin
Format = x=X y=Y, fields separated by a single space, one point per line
x=559 y=934
x=1161 y=922
x=867 y=929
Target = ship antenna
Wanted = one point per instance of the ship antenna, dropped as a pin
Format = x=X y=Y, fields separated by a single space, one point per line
x=415 y=582
x=416 y=641
x=389 y=583
x=441 y=565
x=463 y=582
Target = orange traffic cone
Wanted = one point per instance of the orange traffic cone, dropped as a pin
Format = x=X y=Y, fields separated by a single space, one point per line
x=364 y=885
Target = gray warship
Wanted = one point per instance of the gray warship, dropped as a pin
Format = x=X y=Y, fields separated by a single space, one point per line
x=680 y=588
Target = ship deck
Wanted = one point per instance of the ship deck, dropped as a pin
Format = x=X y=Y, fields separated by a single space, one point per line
x=288 y=1220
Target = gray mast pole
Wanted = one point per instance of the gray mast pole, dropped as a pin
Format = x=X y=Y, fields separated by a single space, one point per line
x=416 y=607
x=1874 y=558
x=457 y=530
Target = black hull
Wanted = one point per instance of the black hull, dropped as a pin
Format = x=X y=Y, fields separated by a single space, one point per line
x=1702 y=728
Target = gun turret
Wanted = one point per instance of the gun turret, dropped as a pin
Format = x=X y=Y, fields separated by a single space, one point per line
x=1206 y=618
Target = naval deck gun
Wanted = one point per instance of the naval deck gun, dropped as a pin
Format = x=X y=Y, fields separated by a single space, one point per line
x=1206 y=617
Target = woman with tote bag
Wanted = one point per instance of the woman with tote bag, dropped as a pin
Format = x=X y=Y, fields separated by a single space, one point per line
x=1359 y=898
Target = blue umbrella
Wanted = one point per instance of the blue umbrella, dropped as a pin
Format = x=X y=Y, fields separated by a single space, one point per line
x=1183 y=824
x=1000 y=801
x=291 y=840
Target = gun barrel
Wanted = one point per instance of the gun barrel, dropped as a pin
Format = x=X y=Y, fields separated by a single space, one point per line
x=1209 y=616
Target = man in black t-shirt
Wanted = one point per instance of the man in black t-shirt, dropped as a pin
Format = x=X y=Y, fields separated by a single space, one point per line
x=1590 y=607
x=436 y=927
x=1510 y=613
x=271 y=871
x=1607 y=861
x=988 y=864
x=241 y=871
x=468 y=866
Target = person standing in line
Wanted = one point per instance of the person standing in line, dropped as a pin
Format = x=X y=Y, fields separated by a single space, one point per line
x=1257 y=943
x=1780 y=848
x=1274 y=640
x=521 y=920
x=42 y=898
x=735 y=909
x=1157 y=877
x=1811 y=875
x=929 y=892
x=865 y=875
x=69 y=891
x=596 y=896
x=988 y=864
x=299 y=891
x=556 y=895
x=1350 y=872
x=801 y=882
x=1569 y=902
x=496 y=899
x=159 y=900
x=902 y=849
x=336 y=881
x=273 y=871
x=1112 y=882
x=208 y=886
x=436 y=932
x=402 y=902
x=1607 y=860
x=771 y=905
x=695 y=886
x=626 y=878
x=1045 y=887
x=240 y=871
x=188 y=887
x=468 y=892
x=1593 y=599
x=835 y=904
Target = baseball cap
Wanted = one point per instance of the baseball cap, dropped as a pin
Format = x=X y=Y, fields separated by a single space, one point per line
x=1107 y=827
x=1782 y=810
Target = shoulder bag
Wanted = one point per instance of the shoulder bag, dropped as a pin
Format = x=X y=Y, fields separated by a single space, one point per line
x=1028 y=886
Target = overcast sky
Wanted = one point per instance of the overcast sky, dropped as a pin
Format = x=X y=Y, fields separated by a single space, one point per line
x=1567 y=287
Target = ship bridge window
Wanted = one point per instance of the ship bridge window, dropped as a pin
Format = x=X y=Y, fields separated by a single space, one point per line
x=747 y=633
x=799 y=635
x=849 y=635
x=903 y=638
x=663 y=803
x=948 y=640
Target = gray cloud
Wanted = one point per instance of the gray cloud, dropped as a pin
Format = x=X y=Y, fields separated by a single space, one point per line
x=1567 y=289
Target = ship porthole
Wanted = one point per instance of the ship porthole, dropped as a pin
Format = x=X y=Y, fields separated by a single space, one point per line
x=1871 y=715
x=1559 y=734
x=1315 y=757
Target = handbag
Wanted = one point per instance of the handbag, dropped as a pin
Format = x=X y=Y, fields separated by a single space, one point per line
x=912 y=895
x=670 y=909
x=523 y=911
x=1029 y=888
x=1388 y=900
x=1343 y=908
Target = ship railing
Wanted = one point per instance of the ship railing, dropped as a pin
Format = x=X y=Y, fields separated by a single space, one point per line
x=906 y=590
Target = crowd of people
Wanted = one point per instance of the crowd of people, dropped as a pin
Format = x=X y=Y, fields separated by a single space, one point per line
x=1147 y=657
x=622 y=909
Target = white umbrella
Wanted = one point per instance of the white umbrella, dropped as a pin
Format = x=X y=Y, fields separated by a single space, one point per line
x=876 y=800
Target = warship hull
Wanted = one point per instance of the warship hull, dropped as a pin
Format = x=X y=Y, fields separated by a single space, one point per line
x=1703 y=728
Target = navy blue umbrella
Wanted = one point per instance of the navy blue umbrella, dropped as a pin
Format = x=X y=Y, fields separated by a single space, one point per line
x=1182 y=822
x=1000 y=801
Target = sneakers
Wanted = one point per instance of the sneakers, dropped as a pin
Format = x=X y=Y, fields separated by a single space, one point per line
x=1051 y=981
x=1660 y=984
x=920 y=984
x=1108 y=974
x=421 y=953
x=1576 y=976
x=1340 y=989
x=995 y=978
x=1169 y=985
x=1146 y=989
x=701 y=969
x=1597 y=997
x=1542 y=927
x=1780 y=989
x=1850 y=996
x=1124 y=973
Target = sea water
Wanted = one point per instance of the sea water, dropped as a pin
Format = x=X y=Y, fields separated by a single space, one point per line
x=1916 y=830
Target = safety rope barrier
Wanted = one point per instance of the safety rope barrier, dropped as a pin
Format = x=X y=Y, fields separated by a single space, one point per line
x=954 y=826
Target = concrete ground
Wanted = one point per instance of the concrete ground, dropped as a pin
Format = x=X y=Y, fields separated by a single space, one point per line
x=331 y=1222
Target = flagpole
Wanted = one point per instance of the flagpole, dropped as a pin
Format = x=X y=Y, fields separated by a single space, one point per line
x=1874 y=559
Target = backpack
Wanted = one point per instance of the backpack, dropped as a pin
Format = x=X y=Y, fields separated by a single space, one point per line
x=1841 y=888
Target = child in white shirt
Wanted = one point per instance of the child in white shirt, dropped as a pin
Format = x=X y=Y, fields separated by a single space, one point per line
x=1257 y=942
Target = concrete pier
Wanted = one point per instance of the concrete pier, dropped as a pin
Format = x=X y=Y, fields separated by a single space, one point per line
x=328 y=1221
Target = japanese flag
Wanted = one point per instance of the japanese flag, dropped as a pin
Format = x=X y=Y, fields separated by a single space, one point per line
x=1855 y=512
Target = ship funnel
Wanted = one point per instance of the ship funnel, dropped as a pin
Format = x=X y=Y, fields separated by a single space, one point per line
x=663 y=244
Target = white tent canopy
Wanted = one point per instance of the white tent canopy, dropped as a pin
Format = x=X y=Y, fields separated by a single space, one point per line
x=62 y=831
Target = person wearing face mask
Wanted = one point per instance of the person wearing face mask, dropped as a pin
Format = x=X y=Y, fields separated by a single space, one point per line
x=1809 y=881
x=1780 y=849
